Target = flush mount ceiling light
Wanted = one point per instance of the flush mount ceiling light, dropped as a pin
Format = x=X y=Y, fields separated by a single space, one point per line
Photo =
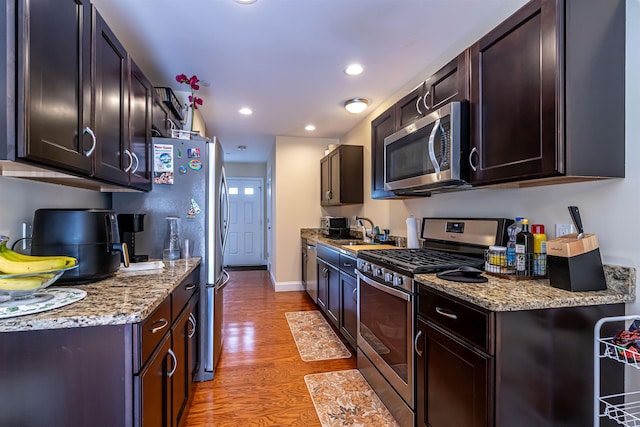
x=245 y=1
x=356 y=105
x=246 y=111
x=353 y=69
x=310 y=128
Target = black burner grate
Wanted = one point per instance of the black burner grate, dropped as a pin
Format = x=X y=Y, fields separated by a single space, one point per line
x=417 y=261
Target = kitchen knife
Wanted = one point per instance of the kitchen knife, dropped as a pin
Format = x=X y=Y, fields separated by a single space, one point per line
x=577 y=221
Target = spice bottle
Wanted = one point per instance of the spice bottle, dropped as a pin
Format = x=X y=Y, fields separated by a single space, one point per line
x=539 y=250
x=524 y=250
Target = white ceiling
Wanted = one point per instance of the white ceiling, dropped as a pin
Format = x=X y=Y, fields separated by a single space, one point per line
x=285 y=58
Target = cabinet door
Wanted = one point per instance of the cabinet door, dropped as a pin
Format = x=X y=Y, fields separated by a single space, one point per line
x=381 y=127
x=411 y=107
x=323 y=285
x=349 y=308
x=333 y=295
x=335 y=184
x=154 y=388
x=111 y=105
x=140 y=108
x=194 y=338
x=181 y=379
x=454 y=384
x=54 y=63
x=325 y=182
x=449 y=84
x=513 y=113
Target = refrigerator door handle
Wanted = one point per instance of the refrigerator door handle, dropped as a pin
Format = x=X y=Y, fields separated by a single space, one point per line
x=225 y=281
x=227 y=220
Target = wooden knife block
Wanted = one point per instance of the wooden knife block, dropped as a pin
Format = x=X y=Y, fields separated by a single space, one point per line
x=575 y=264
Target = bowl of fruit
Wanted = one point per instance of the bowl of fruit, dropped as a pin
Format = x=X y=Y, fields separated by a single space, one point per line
x=22 y=275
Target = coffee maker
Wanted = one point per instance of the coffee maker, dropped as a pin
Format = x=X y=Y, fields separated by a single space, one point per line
x=129 y=225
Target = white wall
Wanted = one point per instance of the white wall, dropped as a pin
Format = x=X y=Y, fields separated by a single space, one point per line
x=245 y=170
x=295 y=203
x=20 y=199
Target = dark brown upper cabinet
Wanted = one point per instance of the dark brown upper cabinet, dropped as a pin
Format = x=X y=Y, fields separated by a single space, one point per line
x=547 y=95
x=140 y=111
x=381 y=127
x=449 y=84
x=341 y=176
x=113 y=160
x=54 y=64
x=73 y=96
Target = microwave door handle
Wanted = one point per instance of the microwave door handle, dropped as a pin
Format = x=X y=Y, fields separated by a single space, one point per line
x=432 y=153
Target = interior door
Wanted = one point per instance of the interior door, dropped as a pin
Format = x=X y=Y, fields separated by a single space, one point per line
x=246 y=230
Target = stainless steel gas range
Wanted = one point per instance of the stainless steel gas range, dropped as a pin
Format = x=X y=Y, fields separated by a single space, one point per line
x=386 y=301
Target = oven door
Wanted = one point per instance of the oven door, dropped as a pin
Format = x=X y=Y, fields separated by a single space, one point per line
x=385 y=331
x=427 y=153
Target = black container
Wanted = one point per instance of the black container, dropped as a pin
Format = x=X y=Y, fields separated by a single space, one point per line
x=579 y=273
x=89 y=235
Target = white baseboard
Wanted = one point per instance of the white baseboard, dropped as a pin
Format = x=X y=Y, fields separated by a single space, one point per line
x=285 y=286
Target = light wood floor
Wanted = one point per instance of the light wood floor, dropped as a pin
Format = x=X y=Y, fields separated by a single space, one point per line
x=260 y=378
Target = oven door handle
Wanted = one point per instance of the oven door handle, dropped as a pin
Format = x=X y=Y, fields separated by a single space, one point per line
x=386 y=289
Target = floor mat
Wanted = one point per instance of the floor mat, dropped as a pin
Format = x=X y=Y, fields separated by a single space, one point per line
x=314 y=337
x=344 y=398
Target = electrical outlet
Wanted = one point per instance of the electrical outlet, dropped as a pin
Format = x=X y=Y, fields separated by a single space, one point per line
x=562 y=229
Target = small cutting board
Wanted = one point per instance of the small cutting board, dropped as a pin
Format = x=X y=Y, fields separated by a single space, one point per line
x=357 y=248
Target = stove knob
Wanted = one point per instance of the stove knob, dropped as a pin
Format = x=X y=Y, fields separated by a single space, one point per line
x=367 y=267
x=399 y=281
x=388 y=277
x=377 y=272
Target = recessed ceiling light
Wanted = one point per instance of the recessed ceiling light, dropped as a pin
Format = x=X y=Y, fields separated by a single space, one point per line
x=354 y=69
x=245 y=111
x=356 y=105
x=310 y=128
x=242 y=147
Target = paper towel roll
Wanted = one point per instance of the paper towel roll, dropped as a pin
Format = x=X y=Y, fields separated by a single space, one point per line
x=412 y=233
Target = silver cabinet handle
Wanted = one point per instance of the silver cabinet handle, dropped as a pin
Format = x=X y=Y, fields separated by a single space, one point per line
x=424 y=100
x=175 y=363
x=354 y=294
x=135 y=157
x=446 y=313
x=128 y=153
x=415 y=344
x=190 y=286
x=164 y=322
x=473 y=167
x=93 y=141
x=418 y=105
x=192 y=320
x=347 y=264
x=172 y=125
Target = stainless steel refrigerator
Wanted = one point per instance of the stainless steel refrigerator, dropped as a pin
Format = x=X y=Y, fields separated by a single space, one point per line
x=189 y=183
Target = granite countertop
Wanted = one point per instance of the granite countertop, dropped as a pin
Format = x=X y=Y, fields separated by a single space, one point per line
x=316 y=235
x=126 y=297
x=503 y=294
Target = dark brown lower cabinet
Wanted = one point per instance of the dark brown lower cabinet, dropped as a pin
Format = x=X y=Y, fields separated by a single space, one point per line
x=454 y=386
x=153 y=387
x=128 y=375
x=527 y=368
x=349 y=308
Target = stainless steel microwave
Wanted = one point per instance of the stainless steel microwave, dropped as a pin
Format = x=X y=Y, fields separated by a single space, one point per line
x=429 y=154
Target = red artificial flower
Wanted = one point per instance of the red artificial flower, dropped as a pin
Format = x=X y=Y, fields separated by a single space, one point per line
x=195 y=101
x=181 y=78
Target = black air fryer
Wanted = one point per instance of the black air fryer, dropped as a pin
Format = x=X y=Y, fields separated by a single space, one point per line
x=90 y=235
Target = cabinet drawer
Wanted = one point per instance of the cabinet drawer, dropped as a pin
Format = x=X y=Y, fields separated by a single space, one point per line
x=465 y=321
x=183 y=292
x=329 y=255
x=347 y=264
x=151 y=331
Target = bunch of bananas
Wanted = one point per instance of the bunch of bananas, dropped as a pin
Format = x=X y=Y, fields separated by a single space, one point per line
x=36 y=269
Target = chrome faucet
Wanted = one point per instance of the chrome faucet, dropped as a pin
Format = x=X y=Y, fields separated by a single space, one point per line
x=367 y=237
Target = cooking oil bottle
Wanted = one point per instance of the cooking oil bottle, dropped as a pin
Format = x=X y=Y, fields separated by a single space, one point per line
x=524 y=250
